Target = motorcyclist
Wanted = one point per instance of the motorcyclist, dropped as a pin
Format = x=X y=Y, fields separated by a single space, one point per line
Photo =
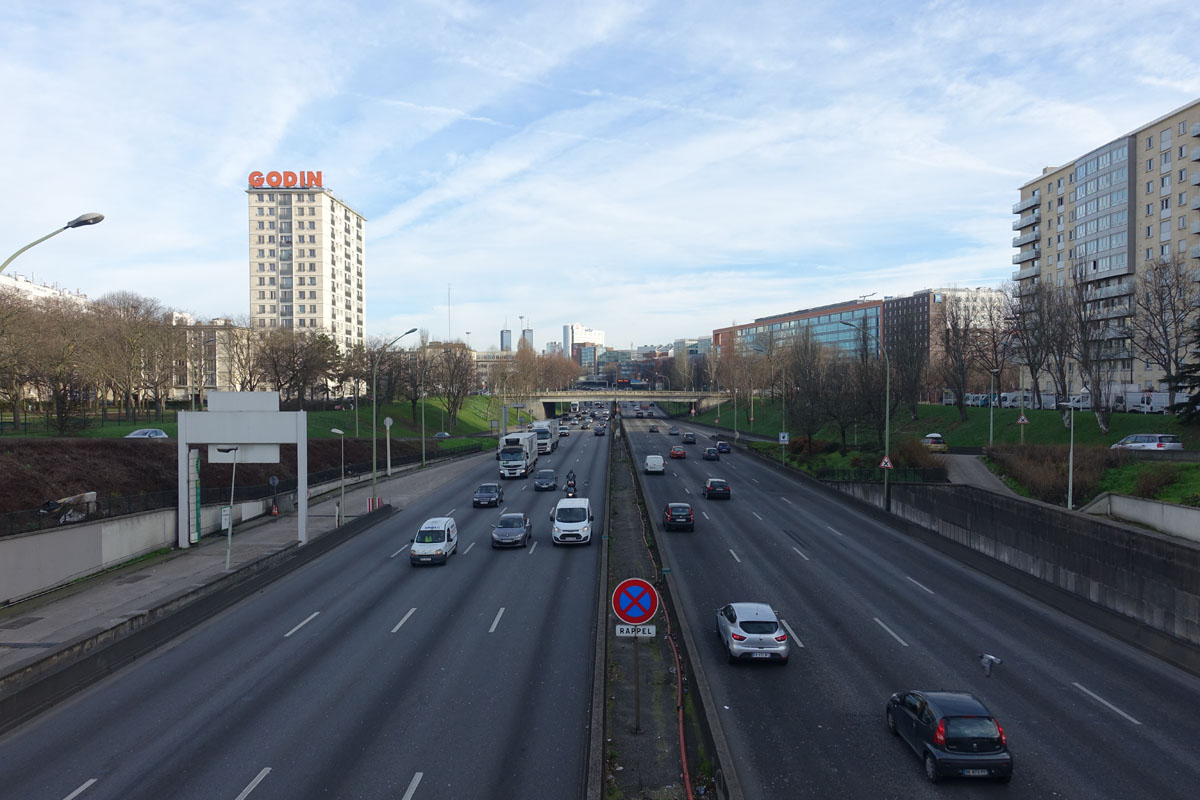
x=570 y=477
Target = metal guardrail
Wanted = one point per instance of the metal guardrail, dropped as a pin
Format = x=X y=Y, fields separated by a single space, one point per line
x=875 y=475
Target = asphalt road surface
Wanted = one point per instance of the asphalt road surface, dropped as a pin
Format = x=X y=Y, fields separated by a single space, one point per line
x=359 y=676
x=875 y=612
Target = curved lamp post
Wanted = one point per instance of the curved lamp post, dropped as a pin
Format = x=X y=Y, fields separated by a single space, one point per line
x=232 y=483
x=341 y=515
x=375 y=415
x=887 y=417
x=78 y=222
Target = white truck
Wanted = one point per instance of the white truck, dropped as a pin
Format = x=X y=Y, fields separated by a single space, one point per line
x=518 y=454
x=547 y=435
x=1142 y=402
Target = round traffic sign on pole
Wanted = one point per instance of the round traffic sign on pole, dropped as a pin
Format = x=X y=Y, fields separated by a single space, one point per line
x=635 y=601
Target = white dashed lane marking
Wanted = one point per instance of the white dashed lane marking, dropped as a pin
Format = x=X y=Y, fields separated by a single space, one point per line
x=806 y=558
x=735 y=558
x=923 y=586
x=889 y=630
x=302 y=624
x=411 y=611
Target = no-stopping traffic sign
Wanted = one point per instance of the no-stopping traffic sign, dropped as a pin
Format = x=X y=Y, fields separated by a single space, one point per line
x=635 y=601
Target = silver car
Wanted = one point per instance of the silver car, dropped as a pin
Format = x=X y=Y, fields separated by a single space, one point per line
x=1149 y=441
x=512 y=530
x=752 y=632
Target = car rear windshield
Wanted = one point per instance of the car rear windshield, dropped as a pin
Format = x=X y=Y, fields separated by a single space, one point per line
x=680 y=509
x=431 y=537
x=716 y=484
x=572 y=514
x=758 y=626
x=971 y=728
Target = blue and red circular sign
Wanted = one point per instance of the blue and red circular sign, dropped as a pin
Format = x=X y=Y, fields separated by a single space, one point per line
x=635 y=601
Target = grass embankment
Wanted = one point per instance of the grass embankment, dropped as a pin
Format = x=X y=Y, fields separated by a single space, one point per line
x=1037 y=470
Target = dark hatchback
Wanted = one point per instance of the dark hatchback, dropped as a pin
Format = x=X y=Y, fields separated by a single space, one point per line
x=544 y=480
x=678 y=516
x=953 y=733
x=716 y=487
x=488 y=494
x=723 y=447
x=711 y=454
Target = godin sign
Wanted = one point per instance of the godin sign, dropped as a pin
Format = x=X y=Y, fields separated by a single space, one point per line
x=305 y=180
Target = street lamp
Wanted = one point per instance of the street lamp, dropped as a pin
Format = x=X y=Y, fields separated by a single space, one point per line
x=991 y=405
x=887 y=417
x=341 y=515
x=375 y=414
x=78 y=222
x=233 y=482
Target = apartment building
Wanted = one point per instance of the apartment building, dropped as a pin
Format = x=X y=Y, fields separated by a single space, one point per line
x=33 y=290
x=825 y=322
x=306 y=256
x=212 y=357
x=1128 y=203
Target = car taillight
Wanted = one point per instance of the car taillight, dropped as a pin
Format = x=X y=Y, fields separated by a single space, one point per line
x=939 y=736
x=1160 y=444
x=691 y=517
x=1003 y=738
x=781 y=637
x=737 y=637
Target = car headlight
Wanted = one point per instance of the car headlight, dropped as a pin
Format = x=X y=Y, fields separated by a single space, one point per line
x=438 y=552
x=586 y=528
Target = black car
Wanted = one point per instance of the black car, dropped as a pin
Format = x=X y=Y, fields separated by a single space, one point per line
x=545 y=480
x=488 y=494
x=953 y=733
x=689 y=437
x=711 y=454
x=723 y=447
x=716 y=487
x=679 y=516
x=598 y=431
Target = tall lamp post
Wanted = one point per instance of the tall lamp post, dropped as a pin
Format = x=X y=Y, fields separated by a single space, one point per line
x=78 y=222
x=375 y=416
x=887 y=417
x=341 y=515
x=991 y=405
x=233 y=482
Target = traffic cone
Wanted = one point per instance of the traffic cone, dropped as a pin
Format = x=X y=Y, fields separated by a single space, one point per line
x=274 y=510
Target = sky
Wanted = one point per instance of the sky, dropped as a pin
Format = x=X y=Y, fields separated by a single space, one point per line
x=651 y=169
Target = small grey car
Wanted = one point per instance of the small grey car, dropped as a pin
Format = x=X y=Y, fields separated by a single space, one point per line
x=752 y=632
x=512 y=530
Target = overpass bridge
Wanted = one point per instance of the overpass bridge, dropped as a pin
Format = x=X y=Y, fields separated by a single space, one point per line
x=700 y=400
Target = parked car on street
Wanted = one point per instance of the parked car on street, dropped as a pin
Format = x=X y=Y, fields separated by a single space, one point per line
x=488 y=494
x=678 y=516
x=953 y=733
x=752 y=632
x=441 y=435
x=148 y=433
x=1149 y=441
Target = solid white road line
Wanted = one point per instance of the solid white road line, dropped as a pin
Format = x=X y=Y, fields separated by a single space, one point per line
x=923 y=586
x=257 y=780
x=735 y=558
x=532 y=548
x=472 y=544
x=496 y=621
x=835 y=530
x=412 y=787
x=889 y=630
x=79 y=791
x=398 y=552
x=755 y=513
x=784 y=499
x=791 y=633
x=1097 y=697
x=302 y=624
x=806 y=558
x=401 y=622
x=705 y=513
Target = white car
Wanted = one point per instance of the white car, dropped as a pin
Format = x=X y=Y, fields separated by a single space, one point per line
x=655 y=465
x=435 y=541
x=753 y=632
x=571 y=521
x=148 y=433
x=1149 y=441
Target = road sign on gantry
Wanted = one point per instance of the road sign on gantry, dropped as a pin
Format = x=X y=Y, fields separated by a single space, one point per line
x=635 y=601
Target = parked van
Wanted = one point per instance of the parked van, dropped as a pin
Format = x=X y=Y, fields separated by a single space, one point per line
x=655 y=464
x=571 y=521
x=436 y=539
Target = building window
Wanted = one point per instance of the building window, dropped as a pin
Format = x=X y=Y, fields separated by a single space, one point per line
x=301 y=321
x=260 y=225
x=262 y=309
x=1165 y=203
x=1182 y=223
x=1182 y=127
x=260 y=211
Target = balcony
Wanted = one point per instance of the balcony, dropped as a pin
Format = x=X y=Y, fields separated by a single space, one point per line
x=1028 y=202
x=1194 y=252
x=1027 y=272
x=1194 y=178
x=1026 y=238
x=1195 y=228
x=1194 y=203
x=1113 y=313
x=1195 y=154
x=1195 y=129
x=1110 y=291
x=1034 y=218
x=1026 y=255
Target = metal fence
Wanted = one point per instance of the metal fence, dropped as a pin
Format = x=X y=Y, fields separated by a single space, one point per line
x=53 y=516
x=875 y=475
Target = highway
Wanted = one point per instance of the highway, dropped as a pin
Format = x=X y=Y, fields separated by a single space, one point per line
x=875 y=612
x=359 y=676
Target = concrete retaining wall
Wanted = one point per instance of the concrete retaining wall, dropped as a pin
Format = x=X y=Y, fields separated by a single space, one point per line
x=1144 y=577
x=1171 y=518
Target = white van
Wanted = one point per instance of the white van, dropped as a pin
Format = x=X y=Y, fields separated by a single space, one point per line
x=434 y=542
x=571 y=521
x=655 y=464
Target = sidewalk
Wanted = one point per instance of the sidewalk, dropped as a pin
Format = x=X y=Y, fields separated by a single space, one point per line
x=97 y=610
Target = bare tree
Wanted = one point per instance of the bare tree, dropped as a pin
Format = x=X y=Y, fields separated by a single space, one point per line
x=1059 y=342
x=954 y=323
x=1029 y=313
x=804 y=364
x=128 y=320
x=456 y=370
x=163 y=348
x=413 y=374
x=244 y=349
x=836 y=394
x=16 y=319
x=61 y=331
x=1165 y=297
x=1092 y=341
x=990 y=339
x=869 y=378
x=908 y=347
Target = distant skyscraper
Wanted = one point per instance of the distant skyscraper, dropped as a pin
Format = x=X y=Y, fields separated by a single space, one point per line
x=568 y=340
x=505 y=341
x=527 y=335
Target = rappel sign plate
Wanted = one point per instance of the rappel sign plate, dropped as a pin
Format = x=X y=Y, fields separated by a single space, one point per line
x=886 y=463
x=1023 y=420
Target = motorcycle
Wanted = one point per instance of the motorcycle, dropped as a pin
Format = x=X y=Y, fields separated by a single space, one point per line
x=570 y=488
